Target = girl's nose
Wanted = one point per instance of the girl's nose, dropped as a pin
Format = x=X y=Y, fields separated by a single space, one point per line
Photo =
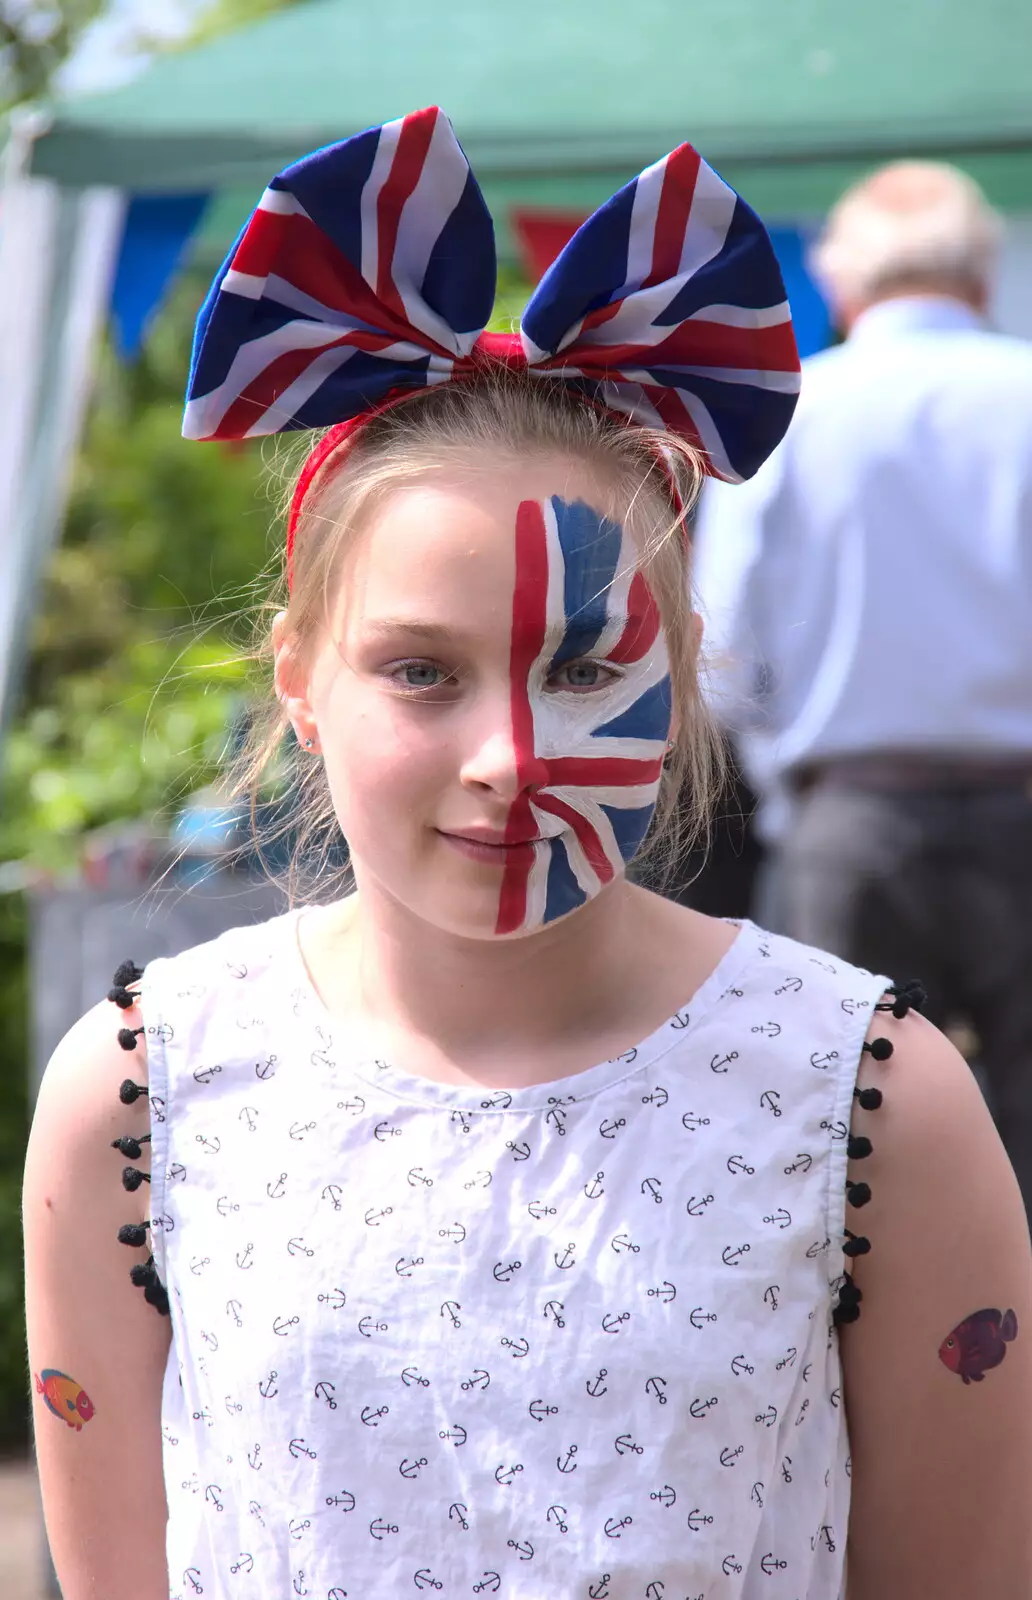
x=504 y=762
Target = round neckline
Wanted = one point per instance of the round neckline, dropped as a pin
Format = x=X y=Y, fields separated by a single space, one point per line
x=589 y=1081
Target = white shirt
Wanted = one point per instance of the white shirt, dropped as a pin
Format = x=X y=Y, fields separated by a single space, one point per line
x=871 y=588
x=568 y=1340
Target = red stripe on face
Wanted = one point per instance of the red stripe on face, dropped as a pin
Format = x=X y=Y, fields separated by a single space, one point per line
x=587 y=838
x=529 y=623
x=641 y=627
x=410 y=156
x=607 y=772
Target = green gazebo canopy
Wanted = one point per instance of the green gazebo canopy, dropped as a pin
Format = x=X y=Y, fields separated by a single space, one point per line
x=559 y=101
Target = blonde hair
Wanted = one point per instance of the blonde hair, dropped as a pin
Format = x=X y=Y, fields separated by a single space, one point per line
x=503 y=416
x=912 y=223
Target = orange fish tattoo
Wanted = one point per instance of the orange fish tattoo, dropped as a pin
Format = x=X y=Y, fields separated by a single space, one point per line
x=978 y=1343
x=64 y=1397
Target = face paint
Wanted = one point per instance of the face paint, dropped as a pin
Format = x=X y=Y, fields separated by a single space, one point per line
x=589 y=761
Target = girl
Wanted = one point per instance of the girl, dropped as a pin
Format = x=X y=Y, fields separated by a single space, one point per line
x=500 y=1211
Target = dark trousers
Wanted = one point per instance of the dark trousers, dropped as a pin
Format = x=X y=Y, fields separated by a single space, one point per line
x=934 y=884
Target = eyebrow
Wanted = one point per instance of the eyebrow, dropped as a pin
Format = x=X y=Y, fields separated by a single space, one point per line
x=427 y=630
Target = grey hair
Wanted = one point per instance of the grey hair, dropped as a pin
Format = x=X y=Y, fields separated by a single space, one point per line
x=912 y=224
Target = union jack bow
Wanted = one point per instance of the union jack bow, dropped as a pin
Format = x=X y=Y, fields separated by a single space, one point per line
x=369 y=269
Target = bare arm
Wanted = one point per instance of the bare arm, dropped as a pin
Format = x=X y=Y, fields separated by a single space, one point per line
x=941 y=1467
x=100 y=1459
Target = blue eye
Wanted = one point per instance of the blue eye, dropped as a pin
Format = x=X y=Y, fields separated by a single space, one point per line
x=419 y=677
x=583 y=676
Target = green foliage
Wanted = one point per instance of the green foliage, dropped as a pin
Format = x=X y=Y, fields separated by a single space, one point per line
x=37 y=37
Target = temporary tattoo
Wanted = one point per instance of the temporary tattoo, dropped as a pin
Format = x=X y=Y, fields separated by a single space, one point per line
x=64 y=1397
x=978 y=1343
x=590 y=762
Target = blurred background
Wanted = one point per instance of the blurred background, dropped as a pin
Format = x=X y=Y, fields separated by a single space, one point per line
x=136 y=137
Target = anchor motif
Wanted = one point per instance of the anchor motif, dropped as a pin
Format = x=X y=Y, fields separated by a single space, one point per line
x=520 y=1149
x=654 y=1097
x=731 y=1257
x=411 y=1375
x=335 y=1299
x=503 y=1274
x=556 y=1514
x=210 y=1340
x=769 y=1564
x=177 y=1172
x=479 y=1180
x=780 y=1218
x=298 y=1448
x=721 y=1063
x=451 y=1308
x=205 y=1074
x=191 y=1575
x=665 y=1292
x=198 y=1264
x=554 y=1309
x=680 y=1019
x=373 y=1217
x=233 y=1309
x=424 y=1579
x=802 y=1163
x=594 y=1187
x=825 y=1533
x=701 y=1408
x=567 y=1464
x=599 y=1590
x=501 y=1100
x=655 y=1589
x=756 y=1493
x=693 y=1122
x=770 y=1099
x=787 y=1360
x=739 y=1164
x=157 y=1106
x=728 y=1457
x=224 y=1205
x=254 y=1458
x=851 y=1007
x=613 y=1529
x=622 y=1241
x=410 y=1469
x=297 y=1247
x=243 y=1563
x=729 y=1564
x=525 y=1551
x=506 y=1474
x=211 y=1147
x=595 y=1386
x=538 y=1210
x=817 y=1248
x=837 y=1129
x=652 y=1386
x=539 y=1410
x=325 y=1391
x=275 y=1191
x=565 y=1261
x=320 y=1056
x=458 y=1510
x=282 y=1325
x=367 y=1327
x=298 y=1130
x=479 y=1380
x=336 y=1593
x=204 y=1415
x=770 y=1295
x=624 y=1442
x=802 y=1412
x=345 y=1499
x=332 y=1193
x=790 y=986
x=612 y=1320
x=404 y=1264
x=770 y=1030
x=211 y=1494
x=371 y=1418
x=490 y=1581
x=609 y=1129
x=697 y=1519
x=417 y=1175
x=740 y=1365
x=265 y=1069
x=461 y=1117
x=666 y=1496
x=356 y=1105
x=297 y=1530
x=695 y=1207
x=786 y=1475
x=519 y=1347
x=557 y=1113
x=698 y=1317
x=385 y=1130
x=299 y=1582
x=265 y=1389
x=835 y=1397
x=378 y=1527
x=652 y=1186
x=768 y=1418
x=823 y=1062
x=806 y=1371
x=456 y=1232
x=456 y=1432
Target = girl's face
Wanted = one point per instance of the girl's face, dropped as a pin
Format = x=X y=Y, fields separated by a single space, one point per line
x=494 y=703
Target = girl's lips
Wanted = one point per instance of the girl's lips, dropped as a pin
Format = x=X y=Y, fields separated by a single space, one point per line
x=488 y=847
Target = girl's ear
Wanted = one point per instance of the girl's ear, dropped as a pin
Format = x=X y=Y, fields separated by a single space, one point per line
x=291 y=682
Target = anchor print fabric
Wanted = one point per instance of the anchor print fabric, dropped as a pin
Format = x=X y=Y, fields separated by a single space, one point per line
x=572 y=1339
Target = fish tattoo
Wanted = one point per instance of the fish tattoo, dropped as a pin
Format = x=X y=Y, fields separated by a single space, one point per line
x=64 y=1397
x=978 y=1343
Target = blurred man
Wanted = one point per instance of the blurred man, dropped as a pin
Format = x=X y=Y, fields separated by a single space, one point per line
x=871 y=589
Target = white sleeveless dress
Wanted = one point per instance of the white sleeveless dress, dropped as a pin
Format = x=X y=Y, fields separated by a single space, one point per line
x=573 y=1340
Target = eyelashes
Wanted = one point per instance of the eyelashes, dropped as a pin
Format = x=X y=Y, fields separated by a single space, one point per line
x=421 y=679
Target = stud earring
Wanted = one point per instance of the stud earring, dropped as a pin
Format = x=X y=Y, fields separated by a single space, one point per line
x=309 y=744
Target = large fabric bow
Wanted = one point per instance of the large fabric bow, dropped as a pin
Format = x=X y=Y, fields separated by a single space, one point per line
x=369 y=269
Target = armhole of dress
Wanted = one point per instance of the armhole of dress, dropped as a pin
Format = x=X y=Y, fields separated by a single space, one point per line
x=145 y=1275
x=902 y=999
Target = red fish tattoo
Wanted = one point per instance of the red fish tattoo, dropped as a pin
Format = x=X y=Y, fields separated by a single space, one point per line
x=64 y=1397
x=978 y=1343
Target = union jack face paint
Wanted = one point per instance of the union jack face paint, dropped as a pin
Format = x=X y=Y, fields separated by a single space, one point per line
x=589 y=761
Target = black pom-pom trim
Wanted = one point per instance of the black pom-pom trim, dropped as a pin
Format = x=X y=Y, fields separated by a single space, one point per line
x=859 y=1147
x=133 y=1233
x=132 y=1177
x=128 y=1146
x=880 y=1049
x=907 y=997
x=127 y=1037
x=848 y=1308
x=145 y=1276
x=870 y=1099
x=858 y=1194
x=130 y=1092
x=127 y=972
x=855 y=1245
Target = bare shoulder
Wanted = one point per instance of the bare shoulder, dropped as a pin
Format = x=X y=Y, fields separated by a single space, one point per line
x=938 y=1366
